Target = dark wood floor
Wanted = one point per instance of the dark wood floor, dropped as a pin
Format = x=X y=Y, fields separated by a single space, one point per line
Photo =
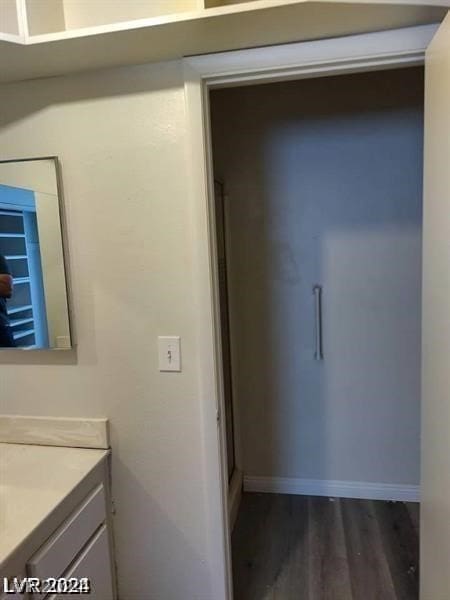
x=309 y=548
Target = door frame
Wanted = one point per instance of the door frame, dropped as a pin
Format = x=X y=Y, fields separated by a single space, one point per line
x=352 y=54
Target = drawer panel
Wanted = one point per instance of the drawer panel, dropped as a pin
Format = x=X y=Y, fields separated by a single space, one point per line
x=55 y=556
x=10 y=596
x=15 y=596
x=94 y=563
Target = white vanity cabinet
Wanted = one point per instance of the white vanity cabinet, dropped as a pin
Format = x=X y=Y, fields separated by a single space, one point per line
x=68 y=544
x=13 y=595
x=78 y=549
x=93 y=564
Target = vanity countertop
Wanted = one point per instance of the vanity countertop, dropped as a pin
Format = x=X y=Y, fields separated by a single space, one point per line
x=34 y=480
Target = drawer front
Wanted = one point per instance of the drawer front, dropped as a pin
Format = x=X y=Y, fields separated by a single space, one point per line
x=55 y=556
x=15 y=596
x=94 y=563
x=12 y=596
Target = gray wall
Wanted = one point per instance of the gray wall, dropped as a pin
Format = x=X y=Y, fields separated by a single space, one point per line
x=324 y=184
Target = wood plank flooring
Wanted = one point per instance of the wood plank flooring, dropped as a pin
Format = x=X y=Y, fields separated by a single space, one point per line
x=311 y=548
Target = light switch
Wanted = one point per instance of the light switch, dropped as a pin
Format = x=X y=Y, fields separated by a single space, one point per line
x=169 y=352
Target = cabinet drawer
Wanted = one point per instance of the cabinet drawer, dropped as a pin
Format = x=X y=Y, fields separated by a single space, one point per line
x=15 y=596
x=94 y=563
x=55 y=556
x=12 y=596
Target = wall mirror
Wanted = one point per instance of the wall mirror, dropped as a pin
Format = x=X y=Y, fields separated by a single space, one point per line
x=33 y=292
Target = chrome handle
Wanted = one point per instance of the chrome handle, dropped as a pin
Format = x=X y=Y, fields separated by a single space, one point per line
x=317 y=291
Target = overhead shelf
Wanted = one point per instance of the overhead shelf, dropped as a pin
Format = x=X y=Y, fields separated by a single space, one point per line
x=62 y=36
x=10 y=23
x=21 y=334
x=9 y=213
x=221 y=3
x=17 y=309
x=17 y=322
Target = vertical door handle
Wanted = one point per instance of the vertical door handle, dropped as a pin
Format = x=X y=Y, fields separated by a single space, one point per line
x=317 y=291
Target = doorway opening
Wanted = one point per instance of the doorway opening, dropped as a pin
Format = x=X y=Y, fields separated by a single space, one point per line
x=318 y=218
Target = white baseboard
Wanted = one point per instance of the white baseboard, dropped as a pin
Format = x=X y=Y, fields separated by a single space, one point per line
x=338 y=489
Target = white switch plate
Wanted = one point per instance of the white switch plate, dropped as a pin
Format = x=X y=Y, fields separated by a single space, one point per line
x=169 y=353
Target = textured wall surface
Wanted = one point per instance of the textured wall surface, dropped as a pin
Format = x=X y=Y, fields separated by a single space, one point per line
x=120 y=138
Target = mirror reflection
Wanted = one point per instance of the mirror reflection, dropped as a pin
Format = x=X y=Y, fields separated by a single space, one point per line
x=33 y=294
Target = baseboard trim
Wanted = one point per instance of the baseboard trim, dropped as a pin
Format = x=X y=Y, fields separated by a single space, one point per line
x=338 y=489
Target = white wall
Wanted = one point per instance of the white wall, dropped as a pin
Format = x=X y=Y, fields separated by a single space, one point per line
x=8 y=17
x=324 y=185
x=45 y=16
x=120 y=136
x=80 y=13
x=36 y=175
x=53 y=272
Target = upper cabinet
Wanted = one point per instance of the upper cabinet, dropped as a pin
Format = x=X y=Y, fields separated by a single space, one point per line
x=41 y=38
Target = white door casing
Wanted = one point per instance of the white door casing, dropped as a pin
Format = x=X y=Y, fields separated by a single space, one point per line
x=372 y=51
x=435 y=485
